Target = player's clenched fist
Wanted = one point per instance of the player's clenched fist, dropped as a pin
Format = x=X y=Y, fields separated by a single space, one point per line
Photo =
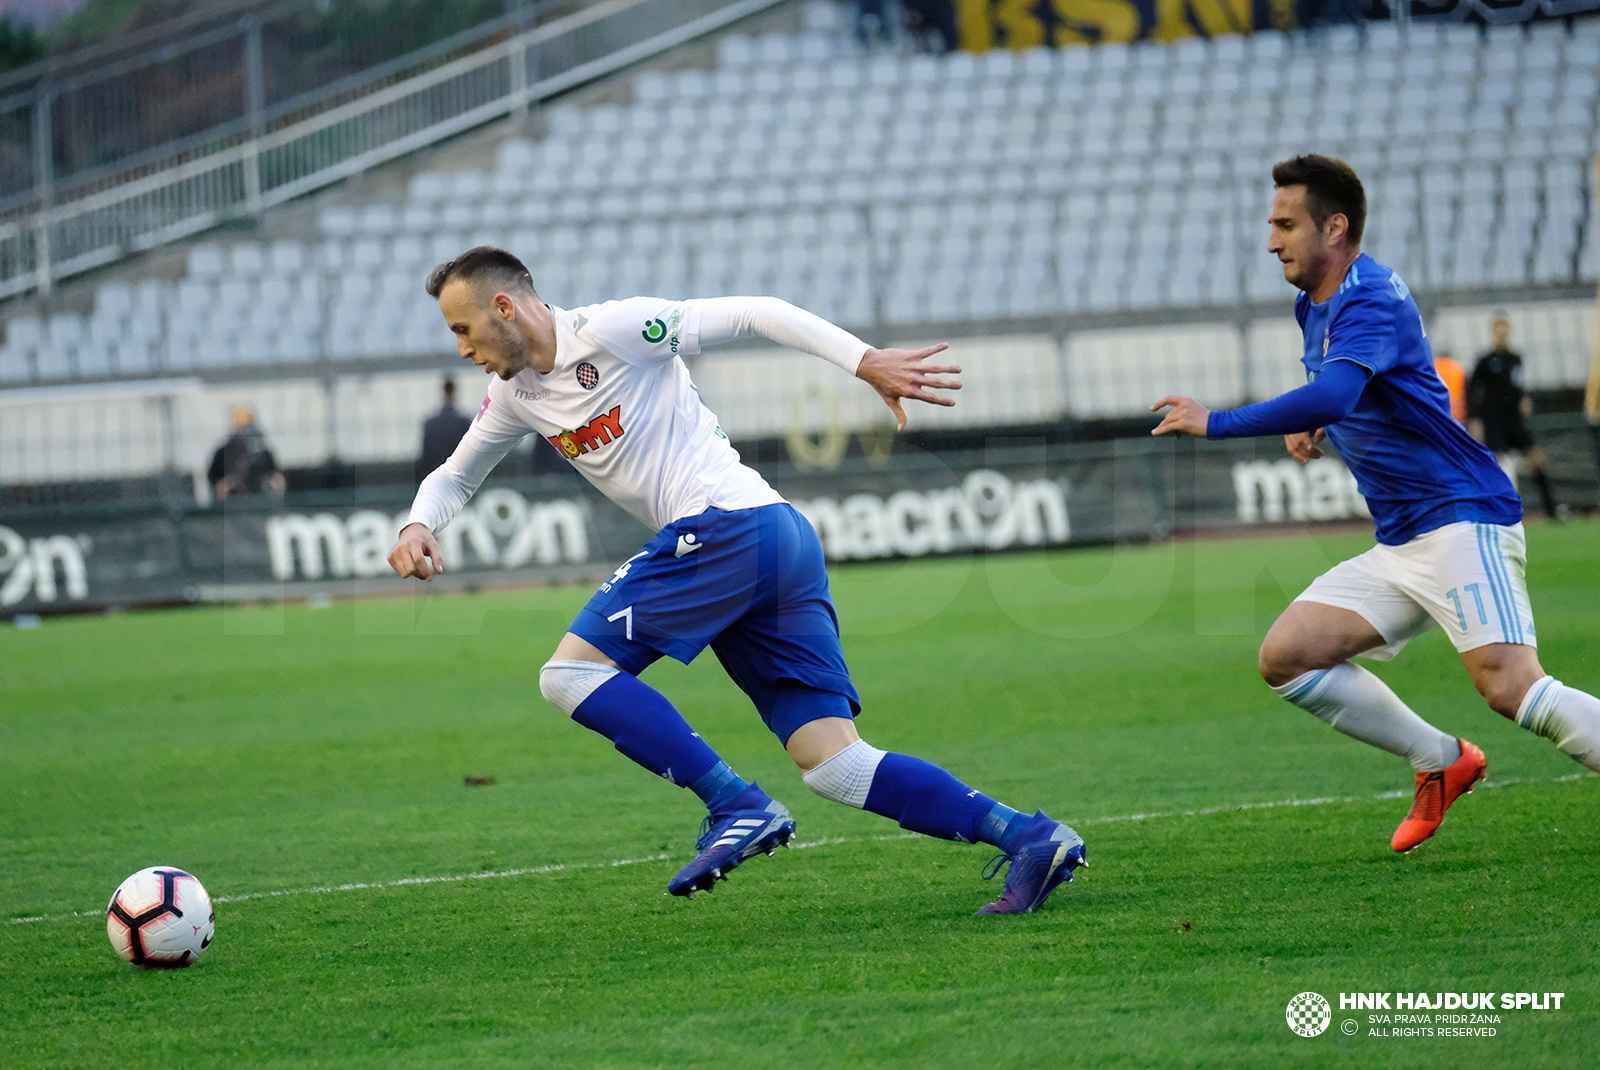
x=415 y=551
x=1303 y=446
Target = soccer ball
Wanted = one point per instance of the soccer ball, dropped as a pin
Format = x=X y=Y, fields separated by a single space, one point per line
x=160 y=918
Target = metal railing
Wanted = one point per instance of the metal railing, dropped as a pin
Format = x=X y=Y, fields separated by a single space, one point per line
x=305 y=143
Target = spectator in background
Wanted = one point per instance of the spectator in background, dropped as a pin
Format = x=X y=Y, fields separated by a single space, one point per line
x=243 y=464
x=441 y=432
x=1497 y=411
x=937 y=15
x=1454 y=377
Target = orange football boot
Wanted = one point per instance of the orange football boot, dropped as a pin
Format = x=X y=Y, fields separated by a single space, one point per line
x=1435 y=792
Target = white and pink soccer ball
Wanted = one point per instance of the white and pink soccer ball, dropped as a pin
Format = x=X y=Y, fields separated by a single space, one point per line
x=160 y=918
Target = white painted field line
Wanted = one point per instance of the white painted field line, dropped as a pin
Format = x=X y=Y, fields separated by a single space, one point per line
x=826 y=841
x=1322 y=800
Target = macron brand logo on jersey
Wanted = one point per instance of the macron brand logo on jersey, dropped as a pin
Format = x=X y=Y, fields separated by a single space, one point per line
x=688 y=543
x=592 y=435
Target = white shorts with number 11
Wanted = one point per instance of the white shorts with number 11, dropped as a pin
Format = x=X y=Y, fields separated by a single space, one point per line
x=1465 y=577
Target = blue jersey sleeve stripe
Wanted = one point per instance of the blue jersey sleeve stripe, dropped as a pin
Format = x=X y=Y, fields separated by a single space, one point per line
x=1494 y=580
x=1511 y=590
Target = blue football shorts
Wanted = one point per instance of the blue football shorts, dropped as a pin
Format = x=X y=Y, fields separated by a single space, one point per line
x=752 y=584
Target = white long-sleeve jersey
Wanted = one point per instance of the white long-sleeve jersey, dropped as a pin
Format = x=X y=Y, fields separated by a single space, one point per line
x=620 y=405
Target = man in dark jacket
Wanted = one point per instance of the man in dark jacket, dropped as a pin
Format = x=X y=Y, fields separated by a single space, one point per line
x=1498 y=408
x=441 y=432
x=243 y=464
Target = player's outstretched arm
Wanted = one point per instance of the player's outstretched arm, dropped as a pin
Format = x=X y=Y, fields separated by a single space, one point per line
x=893 y=373
x=1327 y=399
x=415 y=551
x=906 y=373
x=1188 y=417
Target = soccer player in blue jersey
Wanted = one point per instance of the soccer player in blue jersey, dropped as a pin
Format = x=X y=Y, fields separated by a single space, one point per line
x=1450 y=546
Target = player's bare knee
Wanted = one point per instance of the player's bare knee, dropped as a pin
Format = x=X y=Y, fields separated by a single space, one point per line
x=1278 y=663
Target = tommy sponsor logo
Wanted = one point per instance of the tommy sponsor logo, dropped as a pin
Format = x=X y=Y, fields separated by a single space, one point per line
x=592 y=435
x=688 y=543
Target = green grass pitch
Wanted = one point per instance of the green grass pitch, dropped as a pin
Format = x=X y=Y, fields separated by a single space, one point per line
x=274 y=749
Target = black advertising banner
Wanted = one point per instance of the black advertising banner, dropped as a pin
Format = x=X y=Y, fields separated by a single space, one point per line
x=1015 y=495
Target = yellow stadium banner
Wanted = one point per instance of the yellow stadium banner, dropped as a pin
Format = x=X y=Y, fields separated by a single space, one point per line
x=1017 y=24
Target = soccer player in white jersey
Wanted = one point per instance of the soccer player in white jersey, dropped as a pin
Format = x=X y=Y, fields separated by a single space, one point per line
x=733 y=566
x=1450 y=546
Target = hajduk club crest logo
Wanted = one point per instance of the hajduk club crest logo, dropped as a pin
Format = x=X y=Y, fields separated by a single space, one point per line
x=1309 y=1014
x=588 y=376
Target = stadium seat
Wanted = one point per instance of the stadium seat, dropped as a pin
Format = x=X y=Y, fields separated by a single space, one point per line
x=113 y=300
x=24 y=337
x=206 y=262
x=429 y=187
x=337 y=222
x=286 y=257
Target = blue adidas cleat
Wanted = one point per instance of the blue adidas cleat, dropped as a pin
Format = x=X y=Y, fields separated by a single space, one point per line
x=728 y=841
x=1047 y=857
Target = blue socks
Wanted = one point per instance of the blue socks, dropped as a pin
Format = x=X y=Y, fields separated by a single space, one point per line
x=926 y=799
x=1006 y=828
x=723 y=791
x=647 y=728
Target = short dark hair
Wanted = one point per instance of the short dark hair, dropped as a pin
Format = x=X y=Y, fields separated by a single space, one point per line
x=487 y=269
x=1331 y=188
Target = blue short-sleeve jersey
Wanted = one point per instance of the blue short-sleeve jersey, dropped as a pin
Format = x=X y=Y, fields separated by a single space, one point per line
x=1416 y=466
